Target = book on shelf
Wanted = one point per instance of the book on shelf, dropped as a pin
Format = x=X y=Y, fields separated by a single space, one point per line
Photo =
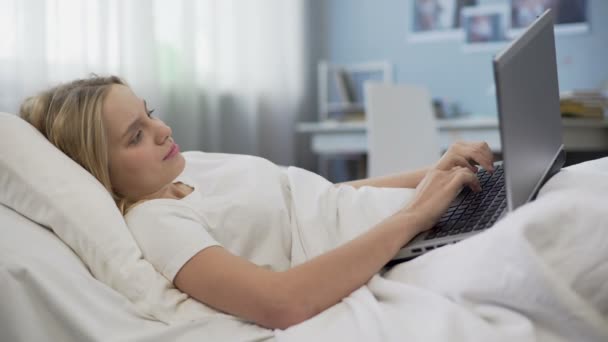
x=353 y=117
x=344 y=86
x=584 y=104
x=346 y=111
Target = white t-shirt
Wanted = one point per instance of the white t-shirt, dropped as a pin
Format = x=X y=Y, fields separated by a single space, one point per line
x=240 y=202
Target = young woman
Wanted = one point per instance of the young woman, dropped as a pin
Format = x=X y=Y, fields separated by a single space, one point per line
x=196 y=233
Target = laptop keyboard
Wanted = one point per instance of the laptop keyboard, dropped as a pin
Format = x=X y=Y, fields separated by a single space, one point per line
x=474 y=210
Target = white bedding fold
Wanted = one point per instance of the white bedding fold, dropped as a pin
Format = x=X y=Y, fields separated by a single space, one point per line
x=539 y=275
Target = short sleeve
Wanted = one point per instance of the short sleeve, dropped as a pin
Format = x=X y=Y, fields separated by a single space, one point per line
x=169 y=234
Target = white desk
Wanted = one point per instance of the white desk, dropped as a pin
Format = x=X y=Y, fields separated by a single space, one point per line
x=331 y=138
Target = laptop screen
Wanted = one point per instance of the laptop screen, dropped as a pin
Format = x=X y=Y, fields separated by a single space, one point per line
x=525 y=75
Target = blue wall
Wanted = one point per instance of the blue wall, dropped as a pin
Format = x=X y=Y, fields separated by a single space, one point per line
x=365 y=30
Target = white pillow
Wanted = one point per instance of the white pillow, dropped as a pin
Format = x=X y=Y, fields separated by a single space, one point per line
x=43 y=184
x=45 y=285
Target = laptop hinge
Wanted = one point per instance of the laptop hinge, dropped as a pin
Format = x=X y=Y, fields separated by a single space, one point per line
x=558 y=162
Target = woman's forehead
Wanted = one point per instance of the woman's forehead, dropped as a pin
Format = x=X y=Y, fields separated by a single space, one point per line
x=120 y=109
x=121 y=99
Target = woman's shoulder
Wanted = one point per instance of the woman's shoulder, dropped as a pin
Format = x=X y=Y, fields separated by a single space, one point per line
x=219 y=169
x=210 y=158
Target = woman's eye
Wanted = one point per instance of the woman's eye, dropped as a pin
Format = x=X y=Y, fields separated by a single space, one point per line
x=137 y=138
x=150 y=112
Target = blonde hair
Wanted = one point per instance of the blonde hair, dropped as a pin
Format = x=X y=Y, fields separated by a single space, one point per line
x=69 y=116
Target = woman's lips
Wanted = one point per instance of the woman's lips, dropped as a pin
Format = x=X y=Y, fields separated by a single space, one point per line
x=173 y=151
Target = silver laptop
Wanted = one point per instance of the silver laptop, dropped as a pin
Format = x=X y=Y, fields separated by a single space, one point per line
x=525 y=75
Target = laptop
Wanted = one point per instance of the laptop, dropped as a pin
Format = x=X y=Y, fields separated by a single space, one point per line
x=525 y=75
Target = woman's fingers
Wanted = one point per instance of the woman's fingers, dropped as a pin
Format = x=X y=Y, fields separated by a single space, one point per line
x=471 y=180
x=475 y=153
x=462 y=161
x=482 y=154
x=465 y=177
x=438 y=189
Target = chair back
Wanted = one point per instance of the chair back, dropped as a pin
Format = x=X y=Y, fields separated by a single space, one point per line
x=402 y=132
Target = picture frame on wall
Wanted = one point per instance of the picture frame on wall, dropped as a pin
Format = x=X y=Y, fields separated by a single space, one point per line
x=485 y=27
x=433 y=20
x=440 y=20
x=571 y=16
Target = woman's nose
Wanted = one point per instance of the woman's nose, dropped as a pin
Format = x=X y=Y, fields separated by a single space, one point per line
x=164 y=132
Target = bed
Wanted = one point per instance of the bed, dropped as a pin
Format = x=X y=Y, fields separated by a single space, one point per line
x=69 y=271
x=48 y=294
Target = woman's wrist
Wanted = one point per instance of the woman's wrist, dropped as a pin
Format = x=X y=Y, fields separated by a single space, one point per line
x=412 y=179
x=415 y=220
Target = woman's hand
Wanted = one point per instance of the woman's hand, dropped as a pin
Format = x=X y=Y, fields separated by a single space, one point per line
x=467 y=154
x=436 y=192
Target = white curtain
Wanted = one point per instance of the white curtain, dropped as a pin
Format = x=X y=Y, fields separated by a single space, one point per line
x=227 y=75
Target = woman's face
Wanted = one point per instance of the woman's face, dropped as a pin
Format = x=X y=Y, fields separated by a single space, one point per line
x=143 y=158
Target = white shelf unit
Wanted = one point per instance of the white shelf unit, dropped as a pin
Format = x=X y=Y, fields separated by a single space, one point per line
x=376 y=70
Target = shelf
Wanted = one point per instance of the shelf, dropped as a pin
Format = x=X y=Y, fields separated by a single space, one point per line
x=331 y=94
x=339 y=107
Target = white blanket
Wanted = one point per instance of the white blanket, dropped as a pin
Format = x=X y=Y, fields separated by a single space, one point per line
x=541 y=274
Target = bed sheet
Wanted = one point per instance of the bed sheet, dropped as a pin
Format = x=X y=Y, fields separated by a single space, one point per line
x=47 y=293
x=538 y=275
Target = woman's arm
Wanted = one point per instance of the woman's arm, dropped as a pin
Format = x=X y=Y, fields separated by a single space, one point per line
x=282 y=299
x=279 y=300
x=461 y=153
x=399 y=180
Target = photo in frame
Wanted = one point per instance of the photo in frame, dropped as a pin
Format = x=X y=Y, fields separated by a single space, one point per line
x=433 y=20
x=570 y=15
x=485 y=27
